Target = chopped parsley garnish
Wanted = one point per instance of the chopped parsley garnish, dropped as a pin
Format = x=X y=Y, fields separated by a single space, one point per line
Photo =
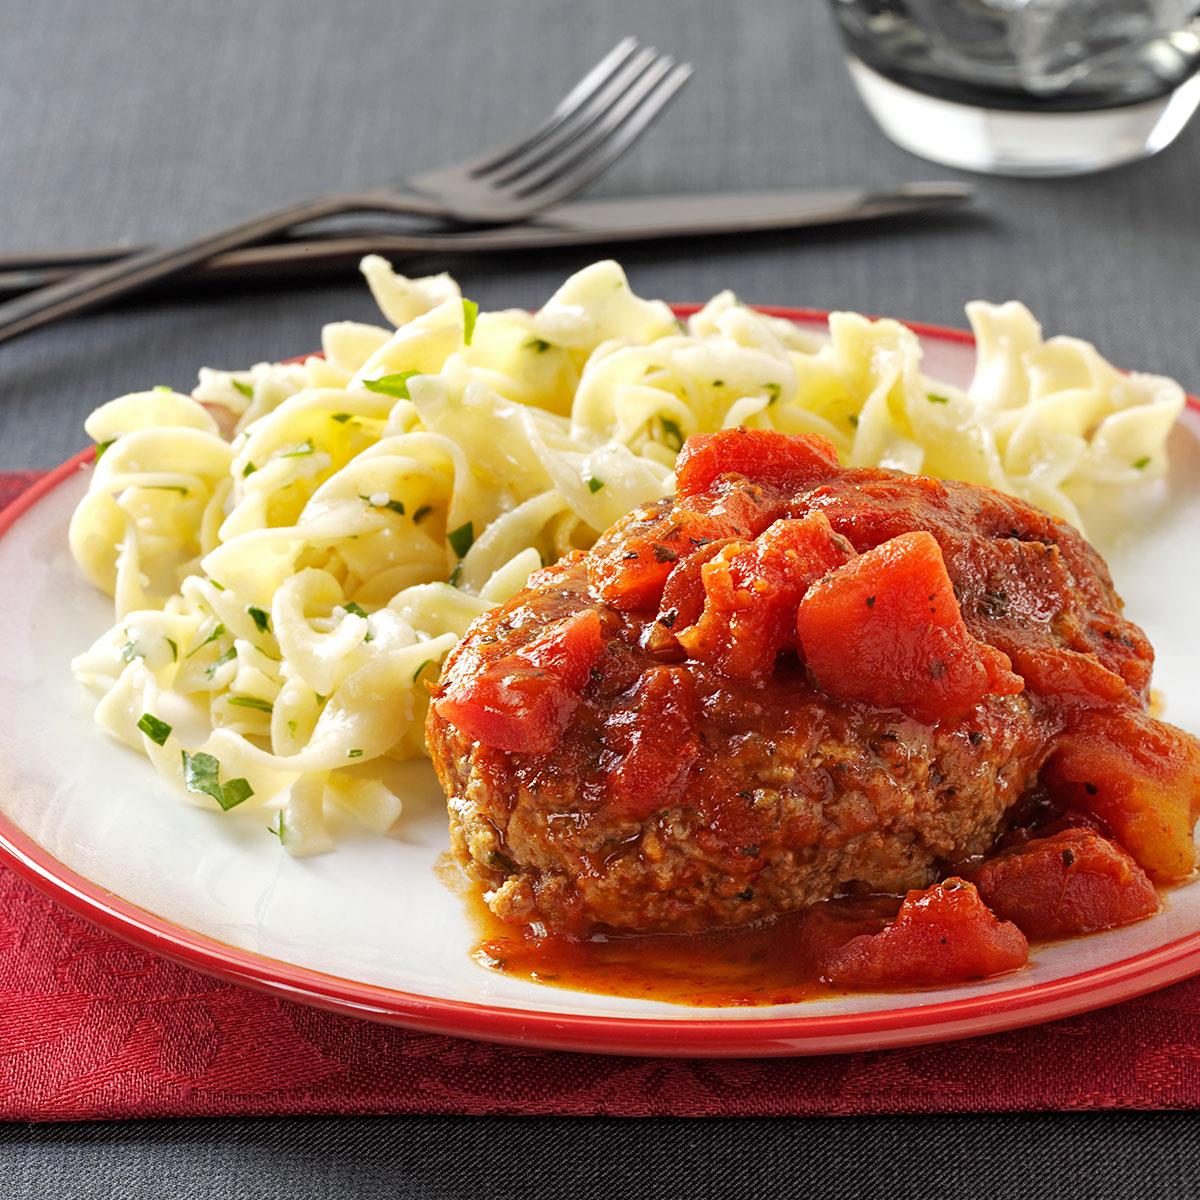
x=423 y=511
x=163 y=387
x=252 y=702
x=594 y=484
x=455 y=575
x=174 y=648
x=157 y=731
x=218 y=630
x=395 y=386
x=247 y=389
x=202 y=775
x=538 y=345
x=249 y=469
x=217 y=584
x=470 y=313
x=396 y=506
x=228 y=656
x=101 y=447
x=305 y=447
x=261 y=619
x=355 y=608
x=1142 y=463
x=277 y=826
x=462 y=539
x=291 y=726
x=673 y=432
x=718 y=383
x=853 y=421
x=341 y=418
x=417 y=673
x=354 y=754
x=773 y=390
x=934 y=398
x=165 y=487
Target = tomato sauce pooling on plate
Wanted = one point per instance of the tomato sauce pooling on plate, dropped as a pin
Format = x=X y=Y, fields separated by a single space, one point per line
x=792 y=683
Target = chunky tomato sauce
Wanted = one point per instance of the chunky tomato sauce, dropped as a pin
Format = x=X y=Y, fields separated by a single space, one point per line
x=793 y=681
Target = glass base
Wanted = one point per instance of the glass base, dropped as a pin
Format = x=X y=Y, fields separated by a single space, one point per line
x=1008 y=142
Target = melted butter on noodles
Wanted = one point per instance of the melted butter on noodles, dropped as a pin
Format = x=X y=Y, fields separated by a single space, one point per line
x=293 y=549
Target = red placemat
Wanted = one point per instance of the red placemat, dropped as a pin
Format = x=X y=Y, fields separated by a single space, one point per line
x=93 y=1028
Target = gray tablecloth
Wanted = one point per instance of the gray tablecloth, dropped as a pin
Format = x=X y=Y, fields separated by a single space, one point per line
x=127 y=119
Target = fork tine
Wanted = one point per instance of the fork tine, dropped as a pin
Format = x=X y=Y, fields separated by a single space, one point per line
x=642 y=64
x=579 y=95
x=622 y=130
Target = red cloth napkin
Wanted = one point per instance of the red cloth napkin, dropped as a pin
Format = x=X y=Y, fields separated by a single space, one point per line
x=93 y=1028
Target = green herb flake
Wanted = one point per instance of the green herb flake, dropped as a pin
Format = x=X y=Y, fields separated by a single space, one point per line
x=538 y=345
x=261 y=619
x=291 y=728
x=354 y=754
x=395 y=386
x=853 y=421
x=218 y=630
x=305 y=448
x=594 y=484
x=157 y=731
x=417 y=673
x=248 y=470
x=235 y=792
x=217 y=584
x=396 y=506
x=355 y=608
x=218 y=663
x=165 y=487
x=421 y=512
x=934 y=398
x=1142 y=463
x=247 y=389
x=174 y=648
x=470 y=315
x=462 y=539
x=202 y=775
x=340 y=418
x=673 y=433
x=101 y=447
x=252 y=702
x=277 y=826
x=455 y=576
x=164 y=387
x=774 y=391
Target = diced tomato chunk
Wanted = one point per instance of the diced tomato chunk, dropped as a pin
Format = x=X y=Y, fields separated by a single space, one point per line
x=886 y=629
x=760 y=454
x=630 y=575
x=1075 y=881
x=944 y=934
x=751 y=592
x=652 y=743
x=522 y=702
x=1140 y=777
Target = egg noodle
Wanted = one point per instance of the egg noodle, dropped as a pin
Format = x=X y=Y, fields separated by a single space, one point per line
x=284 y=594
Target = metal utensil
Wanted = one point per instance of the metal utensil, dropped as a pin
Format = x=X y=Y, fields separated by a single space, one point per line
x=580 y=223
x=592 y=126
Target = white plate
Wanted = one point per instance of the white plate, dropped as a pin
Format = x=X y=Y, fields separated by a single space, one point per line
x=370 y=929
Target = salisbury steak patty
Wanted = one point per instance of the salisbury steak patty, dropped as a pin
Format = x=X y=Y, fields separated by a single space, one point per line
x=764 y=692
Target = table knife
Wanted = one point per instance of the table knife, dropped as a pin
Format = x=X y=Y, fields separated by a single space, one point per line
x=579 y=223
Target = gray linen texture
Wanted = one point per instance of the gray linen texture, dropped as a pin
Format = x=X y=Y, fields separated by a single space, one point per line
x=135 y=119
x=154 y=119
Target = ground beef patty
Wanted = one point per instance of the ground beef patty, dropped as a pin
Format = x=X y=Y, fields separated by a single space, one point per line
x=786 y=682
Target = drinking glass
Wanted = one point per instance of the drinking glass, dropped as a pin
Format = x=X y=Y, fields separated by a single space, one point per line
x=1026 y=87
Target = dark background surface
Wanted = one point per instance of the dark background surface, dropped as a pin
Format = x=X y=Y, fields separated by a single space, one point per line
x=126 y=119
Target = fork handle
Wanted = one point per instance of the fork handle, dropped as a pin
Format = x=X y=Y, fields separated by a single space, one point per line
x=87 y=289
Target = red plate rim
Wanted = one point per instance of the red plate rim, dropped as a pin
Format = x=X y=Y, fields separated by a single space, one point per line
x=707 y=1038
